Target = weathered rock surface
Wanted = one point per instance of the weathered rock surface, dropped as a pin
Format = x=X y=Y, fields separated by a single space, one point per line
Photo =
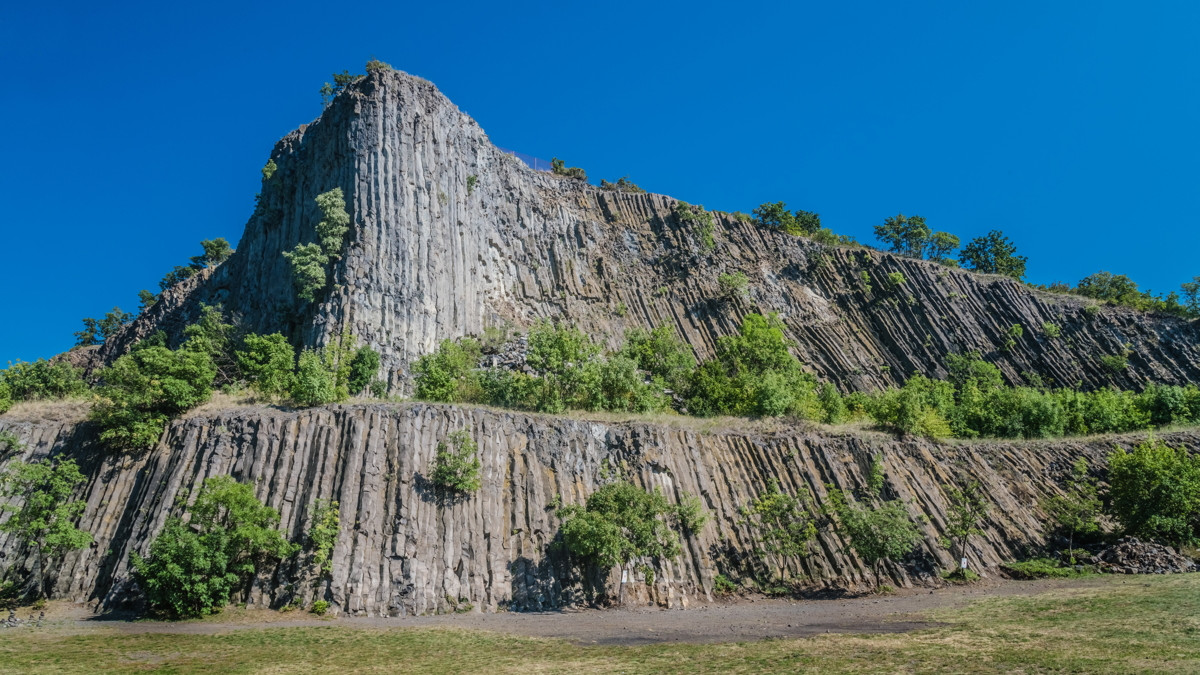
x=450 y=235
x=403 y=551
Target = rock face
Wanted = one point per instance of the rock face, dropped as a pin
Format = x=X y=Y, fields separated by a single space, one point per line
x=1130 y=555
x=450 y=235
x=403 y=550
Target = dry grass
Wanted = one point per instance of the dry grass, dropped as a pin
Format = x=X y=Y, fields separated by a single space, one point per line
x=1123 y=625
x=68 y=410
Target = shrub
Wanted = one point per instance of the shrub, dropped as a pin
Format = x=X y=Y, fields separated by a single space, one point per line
x=559 y=168
x=320 y=607
x=5 y=397
x=42 y=380
x=363 y=367
x=906 y=235
x=700 y=221
x=45 y=518
x=1040 y=568
x=896 y=279
x=97 y=332
x=216 y=251
x=448 y=375
x=622 y=184
x=456 y=465
x=566 y=361
x=267 y=362
x=776 y=216
x=624 y=389
x=315 y=382
x=876 y=533
x=734 y=285
x=781 y=520
x=194 y=568
x=375 y=65
x=1075 y=511
x=618 y=523
x=471 y=180
x=143 y=389
x=269 y=169
x=723 y=585
x=993 y=253
x=1154 y=492
x=323 y=535
x=1051 y=329
x=309 y=261
x=1115 y=363
x=965 y=510
x=661 y=353
x=308 y=269
x=1014 y=333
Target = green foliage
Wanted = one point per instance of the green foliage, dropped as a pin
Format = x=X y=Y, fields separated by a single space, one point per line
x=316 y=380
x=176 y=275
x=621 y=522
x=323 y=534
x=216 y=251
x=565 y=360
x=775 y=215
x=375 y=65
x=782 y=521
x=1075 y=511
x=723 y=585
x=269 y=169
x=993 y=253
x=1114 y=363
x=559 y=168
x=623 y=184
x=940 y=245
x=335 y=223
x=1014 y=333
x=214 y=336
x=140 y=391
x=691 y=514
x=471 y=180
x=1040 y=568
x=917 y=408
x=448 y=375
x=6 y=400
x=45 y=518
x=1051 y=330
x=456 y=465
x=734 y=285
x=701 y=222
x=876 y=533
x=97 y=332
x=753 y=373
x=308 y=269
x=966 y=509
x=146 y=300
x=42 y=380
x=896 y=280
x=661 y=353
x=906 y=235
x=865 y=279
x=320 y=607
x=363 y=367
x=194 y=568
x=267 y=362
x=1154 y=492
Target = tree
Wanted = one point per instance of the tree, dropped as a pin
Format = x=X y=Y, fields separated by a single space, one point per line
x=323 y=534
x=877 y=534
x=906 y=235
x=315 y=382
x=776 y=216
x=47 y=513
x=267 y=362
x=216 y=251
x=194 y=567
x=331 y=230
x=621 y=522
x=966 y=509
x=1154 y=491
x=1115 y=288
x=141 y=390
x=176 y=275
x=560 y=168
x=781 y=520
x=308 y=269
x=661 y=353
x=146 y=300
x=363 y=367
x=309 y=261
x=456 y=465
x=96 y=332
x=1075 y=510
x=993 y=253
x=1191 y=295
x=43 y=380
x=939 y=246
x=734 y=285
x=448 y=375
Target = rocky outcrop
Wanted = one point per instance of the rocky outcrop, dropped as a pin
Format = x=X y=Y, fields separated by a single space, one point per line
x=451 y=235
x=403 y=550
x=1130 y=555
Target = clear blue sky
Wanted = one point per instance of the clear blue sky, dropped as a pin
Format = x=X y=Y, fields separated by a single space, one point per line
x=133 y=132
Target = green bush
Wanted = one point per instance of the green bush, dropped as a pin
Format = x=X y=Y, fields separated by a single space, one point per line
x=734 y=285
x=701 y=222
x=449 y=374
x=140 y=391
x=41 y=511
x=42 y=380
x=877 y=533
x=775 y=215
x=622 y=184
x=1115 y=363
x=97 y=332
x=308 y=269
x=566 y=360
x=320 y=607
x=559 y=168
x=1154 y=492
x=194 y=567
x=624 y=389
x=6 y=401
x=309 y=261
x=782 y=521
x=1051 y=329
x=621 y=522
x=456 y=465
x=723 y=585
x=315 y=382
x=662 y=354
x=269 y=169
x=363 y=367
x=323 y=534
x=267 y=362
x=1040 y=568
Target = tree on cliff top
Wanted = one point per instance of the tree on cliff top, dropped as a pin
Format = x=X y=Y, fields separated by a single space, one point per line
x=993 y=253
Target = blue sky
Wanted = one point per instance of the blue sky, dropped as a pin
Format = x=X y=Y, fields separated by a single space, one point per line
x=131 y=133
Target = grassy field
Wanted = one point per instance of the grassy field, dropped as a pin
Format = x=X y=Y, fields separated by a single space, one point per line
x=1122 y=625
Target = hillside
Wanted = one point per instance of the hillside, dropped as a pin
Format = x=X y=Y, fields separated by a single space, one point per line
x=449 y=235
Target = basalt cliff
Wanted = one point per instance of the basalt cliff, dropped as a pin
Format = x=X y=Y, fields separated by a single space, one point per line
x=449 y=235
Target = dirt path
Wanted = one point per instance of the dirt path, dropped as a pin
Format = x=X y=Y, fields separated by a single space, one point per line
x=734 y=621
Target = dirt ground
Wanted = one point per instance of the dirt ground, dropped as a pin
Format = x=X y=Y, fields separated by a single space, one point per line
x=735 y=620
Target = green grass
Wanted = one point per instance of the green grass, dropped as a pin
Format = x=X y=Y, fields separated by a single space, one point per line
x=1115 y=625
x=1043 y=568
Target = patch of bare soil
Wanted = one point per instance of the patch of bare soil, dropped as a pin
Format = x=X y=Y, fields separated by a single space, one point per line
x=735 y=620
